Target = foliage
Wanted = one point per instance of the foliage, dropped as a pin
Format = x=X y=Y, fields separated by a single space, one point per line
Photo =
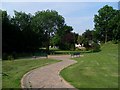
x=95 y=47
x=107 y=23
x=86 y=39
x=27 y=33
x=17 y=33
x=80 y=39
x=64 y=38
x=48 y=22
x=106 y=29
x=10 y=57
x=29 y=37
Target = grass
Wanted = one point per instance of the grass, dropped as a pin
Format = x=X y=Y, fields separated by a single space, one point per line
x=0 y=74
x=95 y=70
x=14 y=70
x=55 y=51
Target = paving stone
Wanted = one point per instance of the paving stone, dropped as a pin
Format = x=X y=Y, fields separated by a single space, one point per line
x=48 y=76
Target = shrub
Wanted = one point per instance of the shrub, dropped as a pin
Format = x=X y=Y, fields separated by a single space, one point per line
x=6 y=56
x=115 y=41
x=10 y=57
x=95 y=47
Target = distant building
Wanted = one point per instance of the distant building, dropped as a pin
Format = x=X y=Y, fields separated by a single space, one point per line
x=77 y=45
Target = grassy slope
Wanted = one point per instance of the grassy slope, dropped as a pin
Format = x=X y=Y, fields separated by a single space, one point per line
x=14 y=70
x=95 y=70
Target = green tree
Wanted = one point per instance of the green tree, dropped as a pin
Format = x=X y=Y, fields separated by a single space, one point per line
x=9 y=34
x=80 y=39
x=29 y=38
x=48 y=22
x=87 y=38
x=101 y=20
x=114 y=24
x=76 y=37
x=66 y=38
x=5 y=32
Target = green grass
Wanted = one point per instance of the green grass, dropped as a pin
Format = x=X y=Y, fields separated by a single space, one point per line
x=63 y=52
x=0 y=74
x=14 y=70
x=95 y=70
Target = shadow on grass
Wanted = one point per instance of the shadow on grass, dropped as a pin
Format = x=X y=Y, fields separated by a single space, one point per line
x=62 y=52
x=42 y=52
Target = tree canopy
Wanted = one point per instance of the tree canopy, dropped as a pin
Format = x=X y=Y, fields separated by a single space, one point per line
x=27 y=33
x=48 y=22
x=105 y=23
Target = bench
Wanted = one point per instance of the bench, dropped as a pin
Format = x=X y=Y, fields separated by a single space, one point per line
x=40 y=55
x=77 y=54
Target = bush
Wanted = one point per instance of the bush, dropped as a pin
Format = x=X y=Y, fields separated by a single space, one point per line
x=67 y=46
x=72 y=47
x=10 y=57
x=115 y=41
x=95 y=47
x=6 y=56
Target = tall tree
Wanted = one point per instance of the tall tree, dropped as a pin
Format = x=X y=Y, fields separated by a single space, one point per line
x=80 y=39
x=29 y=39
x=114 y=24
x=101 y=20
x=67 y=38
x=87 y=38
x=8 y=34
x=88 y=34
x=48 y=21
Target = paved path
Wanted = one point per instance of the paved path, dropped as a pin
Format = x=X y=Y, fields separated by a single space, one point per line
x=48 y=76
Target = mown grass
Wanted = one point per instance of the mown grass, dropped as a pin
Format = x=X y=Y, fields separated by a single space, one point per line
x=14 y=70
x=95 y=70
x=63 y=52
x=0 y=74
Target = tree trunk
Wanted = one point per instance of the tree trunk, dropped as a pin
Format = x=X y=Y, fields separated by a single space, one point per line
x=47 y=47
x=48 y=43
x=106 y=37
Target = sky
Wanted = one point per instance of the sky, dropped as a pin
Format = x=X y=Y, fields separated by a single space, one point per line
x=79 y=15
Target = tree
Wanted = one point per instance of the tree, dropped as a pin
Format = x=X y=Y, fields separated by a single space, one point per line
x=18 y=35
x=69 y=41
x=48 y=22
x=65 y=39
x=88 y=34
x=101 y=20
x=114 y=24
x=29 y=38
x=7 y=33
x=80 y=39
x=76 y=37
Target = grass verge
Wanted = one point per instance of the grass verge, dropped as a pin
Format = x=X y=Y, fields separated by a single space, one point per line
x=95 y=70
x=14 y=70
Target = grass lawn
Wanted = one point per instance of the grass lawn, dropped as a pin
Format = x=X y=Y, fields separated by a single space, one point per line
x=14 y=70
x=95 y=70
x=63 y=52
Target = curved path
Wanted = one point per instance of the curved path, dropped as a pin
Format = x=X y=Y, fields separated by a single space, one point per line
x=48 y=76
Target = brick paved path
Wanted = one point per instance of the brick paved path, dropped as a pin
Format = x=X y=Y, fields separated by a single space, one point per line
x=48 y=76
